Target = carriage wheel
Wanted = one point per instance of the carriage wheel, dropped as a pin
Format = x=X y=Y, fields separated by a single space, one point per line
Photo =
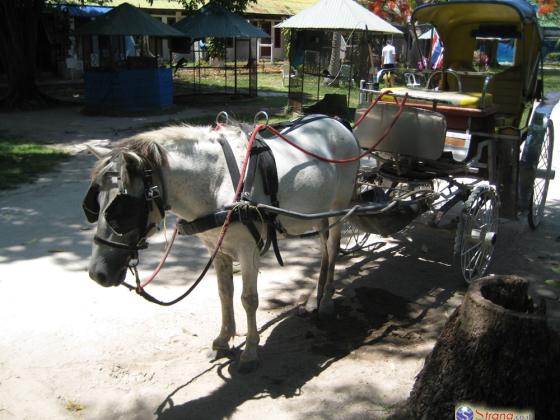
x=542 y=178
x=352 y=239
x=476 y=233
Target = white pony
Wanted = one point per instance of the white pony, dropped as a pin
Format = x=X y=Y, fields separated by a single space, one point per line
x=191 y=172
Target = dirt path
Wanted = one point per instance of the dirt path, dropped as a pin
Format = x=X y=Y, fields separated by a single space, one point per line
x=71 y=349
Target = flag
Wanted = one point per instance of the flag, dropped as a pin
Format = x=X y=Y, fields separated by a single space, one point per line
x=436 y=60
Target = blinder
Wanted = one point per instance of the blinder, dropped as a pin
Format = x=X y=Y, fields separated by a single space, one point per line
x=90 y=205
x=126 y=213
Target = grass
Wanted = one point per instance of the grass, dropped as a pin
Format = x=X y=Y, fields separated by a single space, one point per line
x=22 y=162
x=551 y=80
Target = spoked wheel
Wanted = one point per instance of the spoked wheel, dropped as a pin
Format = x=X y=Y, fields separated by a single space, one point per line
x=352 y=239
x=476 y=233
x=543 y=172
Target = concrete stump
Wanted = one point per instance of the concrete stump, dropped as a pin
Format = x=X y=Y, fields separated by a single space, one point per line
x=495 y=350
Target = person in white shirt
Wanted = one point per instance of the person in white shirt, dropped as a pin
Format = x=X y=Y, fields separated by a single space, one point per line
x=388 y=55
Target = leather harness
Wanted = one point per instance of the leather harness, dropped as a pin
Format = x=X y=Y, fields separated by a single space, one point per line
x=261 y=159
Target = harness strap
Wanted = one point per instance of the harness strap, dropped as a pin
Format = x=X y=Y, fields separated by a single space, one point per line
x=140 y=245
x=230 y=160
x=263 y=159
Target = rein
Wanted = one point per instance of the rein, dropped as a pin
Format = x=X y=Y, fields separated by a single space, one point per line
x=139 y=288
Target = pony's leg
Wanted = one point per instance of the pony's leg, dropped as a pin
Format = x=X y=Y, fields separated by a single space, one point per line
x=250 y=298
x=224 y=270
x=326 y=306
x=314 y=300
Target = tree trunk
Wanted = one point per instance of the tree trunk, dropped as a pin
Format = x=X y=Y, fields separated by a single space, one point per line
x=19 y=21
x=497 y=351
x=334 y=62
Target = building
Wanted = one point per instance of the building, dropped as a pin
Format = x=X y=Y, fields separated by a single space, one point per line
x=264 y=13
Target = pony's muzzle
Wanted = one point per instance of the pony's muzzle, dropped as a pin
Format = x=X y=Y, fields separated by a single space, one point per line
x=107 y=277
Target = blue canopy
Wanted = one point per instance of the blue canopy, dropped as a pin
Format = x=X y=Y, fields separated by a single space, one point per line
x=83 y=11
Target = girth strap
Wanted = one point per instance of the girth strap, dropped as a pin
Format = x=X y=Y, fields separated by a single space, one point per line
x=263 y=159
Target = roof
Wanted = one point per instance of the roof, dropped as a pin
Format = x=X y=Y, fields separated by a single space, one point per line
x=338 y=15
x=261 y=7
x=213 y=20
x=128 y=20
x=276 y=7
x=146 y=4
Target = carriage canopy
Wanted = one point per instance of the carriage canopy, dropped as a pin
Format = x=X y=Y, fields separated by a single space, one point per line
x=462 y=24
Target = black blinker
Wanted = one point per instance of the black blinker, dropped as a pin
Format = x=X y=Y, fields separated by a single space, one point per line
x=126 y=213
x=90 y=205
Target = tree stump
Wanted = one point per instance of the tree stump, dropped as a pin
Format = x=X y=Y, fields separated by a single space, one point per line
x=495 y=350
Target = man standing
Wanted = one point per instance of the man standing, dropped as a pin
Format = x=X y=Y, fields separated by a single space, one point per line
x=388 y=55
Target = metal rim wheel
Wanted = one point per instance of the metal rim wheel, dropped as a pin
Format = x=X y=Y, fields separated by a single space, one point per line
x=477 y=233
x=542 y=178
x=352 y=239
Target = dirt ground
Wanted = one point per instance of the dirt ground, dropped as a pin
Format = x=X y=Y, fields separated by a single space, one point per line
x=72 y=349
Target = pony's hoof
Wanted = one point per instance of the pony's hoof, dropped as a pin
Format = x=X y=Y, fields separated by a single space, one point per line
x=303 y=312
x=219 y=353
x=309 y=307
x=248 y=366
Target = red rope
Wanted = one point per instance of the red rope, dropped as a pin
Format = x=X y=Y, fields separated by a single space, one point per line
x=227 y=222
x=160 y=265
x=259 y=128
x=354 y=158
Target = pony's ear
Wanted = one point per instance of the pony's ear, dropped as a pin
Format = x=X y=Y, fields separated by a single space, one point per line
x=98 y=151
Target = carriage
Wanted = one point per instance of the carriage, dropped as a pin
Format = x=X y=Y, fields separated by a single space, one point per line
x=480 y=138
x=477 y=131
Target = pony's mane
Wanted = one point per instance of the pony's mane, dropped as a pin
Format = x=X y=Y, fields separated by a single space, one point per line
x=137 y=153
x=145 y=150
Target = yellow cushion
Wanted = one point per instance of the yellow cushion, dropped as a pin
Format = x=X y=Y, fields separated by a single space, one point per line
x=461 y=99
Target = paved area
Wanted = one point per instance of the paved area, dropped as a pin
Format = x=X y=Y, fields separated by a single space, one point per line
x=71 y=349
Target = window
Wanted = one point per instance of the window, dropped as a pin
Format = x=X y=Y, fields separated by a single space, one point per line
x=171 y=20
x=267 y=27
x=277 y=38
x=492 y=53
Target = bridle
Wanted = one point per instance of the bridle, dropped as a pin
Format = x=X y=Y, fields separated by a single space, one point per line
x=127 y=213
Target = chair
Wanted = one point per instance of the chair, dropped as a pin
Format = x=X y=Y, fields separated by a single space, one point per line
x=412 y=81
x=289 y=75
x=346 y=76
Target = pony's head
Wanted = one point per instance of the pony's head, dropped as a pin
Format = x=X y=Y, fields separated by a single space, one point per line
x=126 y=201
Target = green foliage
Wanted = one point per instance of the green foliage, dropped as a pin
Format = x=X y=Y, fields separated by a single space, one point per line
x=22 y=162
x=553 y=56
x=217 y=47
x=286 y=41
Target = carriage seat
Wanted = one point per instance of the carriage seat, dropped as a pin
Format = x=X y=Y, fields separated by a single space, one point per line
x=418 y=133
x=453 y=98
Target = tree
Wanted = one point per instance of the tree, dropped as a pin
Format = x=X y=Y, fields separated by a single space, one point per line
x=19 y=22
x=394 y=11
